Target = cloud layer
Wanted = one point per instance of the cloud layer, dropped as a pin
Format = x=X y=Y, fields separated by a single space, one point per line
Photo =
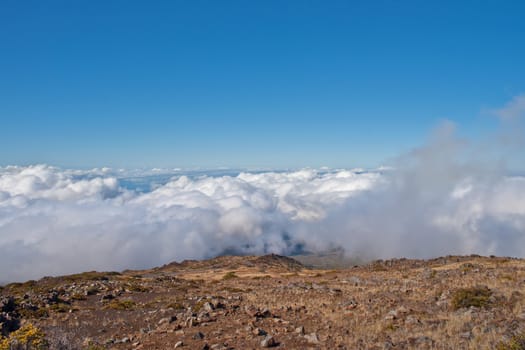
x=448 y=197
x=54 y=221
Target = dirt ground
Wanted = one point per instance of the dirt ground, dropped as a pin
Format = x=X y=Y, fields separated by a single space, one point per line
x=452 y=302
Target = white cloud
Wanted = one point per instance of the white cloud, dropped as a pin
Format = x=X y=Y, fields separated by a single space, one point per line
x=55 y=222
x=45 y=182
x=434 y=201
x=513 y=109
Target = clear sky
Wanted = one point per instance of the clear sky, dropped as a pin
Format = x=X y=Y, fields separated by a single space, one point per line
x=248 y=83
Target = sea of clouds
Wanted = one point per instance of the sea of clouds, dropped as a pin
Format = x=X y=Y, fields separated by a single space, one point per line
x=55 y=221
x=442 y=198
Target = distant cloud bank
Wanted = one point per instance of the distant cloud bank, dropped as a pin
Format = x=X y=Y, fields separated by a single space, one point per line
x=55 y=221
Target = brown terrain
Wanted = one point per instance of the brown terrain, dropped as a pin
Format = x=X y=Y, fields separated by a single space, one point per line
x=454 y=302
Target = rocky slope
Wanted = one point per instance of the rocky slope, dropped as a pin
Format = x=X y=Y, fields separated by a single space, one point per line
x=272 y=301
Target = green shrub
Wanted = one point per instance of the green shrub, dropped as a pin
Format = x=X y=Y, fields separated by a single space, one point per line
x=60 y=307
x=229 y=275
x=175 y=305
x=95 y=347
x=33 y=312
x=268 y=276
x=78 y=296
x=236 y=290
x=516 y=343
x=198 y=305
x=467 y=297
x=121 y=305
x=135 y=287
x=91 y=276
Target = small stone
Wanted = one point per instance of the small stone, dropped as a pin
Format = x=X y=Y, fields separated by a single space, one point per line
x=251 y=310
x=179 y=344
x=312 y=338
x=218 y=347
x=354 y=281
x=265 y=313
x=300 y=330
x=392 y=315
x=208 y=307
x=388 y=345
x=163 y=320
x=421 y=340
x=198 y=336
x=465 y=335
x=268 y=342
x=412 y=320
x=217 y=304
x=259 y=331
x=350 y=304
x=108 y=296
x=191 y=321
x=402 y=310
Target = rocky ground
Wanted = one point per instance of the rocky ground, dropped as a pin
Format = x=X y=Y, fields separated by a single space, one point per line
x=272 y=301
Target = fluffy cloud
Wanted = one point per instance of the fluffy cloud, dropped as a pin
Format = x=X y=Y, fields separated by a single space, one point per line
x=54 y=221
x=44 y=182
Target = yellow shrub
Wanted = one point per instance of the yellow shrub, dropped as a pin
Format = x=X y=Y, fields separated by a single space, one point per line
x=28 y=336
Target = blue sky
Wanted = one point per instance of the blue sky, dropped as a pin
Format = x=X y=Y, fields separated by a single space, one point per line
x=258 y=84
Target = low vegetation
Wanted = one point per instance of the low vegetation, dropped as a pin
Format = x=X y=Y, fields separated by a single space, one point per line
x=467 y=297
x=27 y=337
x=91 y=276
x=517 y=342
x=229 y=275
